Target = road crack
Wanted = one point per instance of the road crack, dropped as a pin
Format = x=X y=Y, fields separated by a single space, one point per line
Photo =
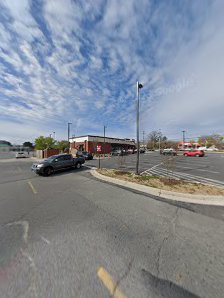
x=123 y=277
x=170 y=231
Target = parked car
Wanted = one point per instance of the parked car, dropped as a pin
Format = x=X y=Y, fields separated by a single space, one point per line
x=142 y=150
x=169 y=151
x=119 y=152
x=130 y=151
x=86 y=155
x=212 y=149
x=57 y=163
x=22 y=154
x=199 y=153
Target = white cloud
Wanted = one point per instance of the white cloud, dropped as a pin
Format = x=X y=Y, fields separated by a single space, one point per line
x=196 y=105
x=86 y=62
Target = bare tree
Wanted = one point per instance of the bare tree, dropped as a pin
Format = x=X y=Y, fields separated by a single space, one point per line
x=121 y=160
x=169 y=162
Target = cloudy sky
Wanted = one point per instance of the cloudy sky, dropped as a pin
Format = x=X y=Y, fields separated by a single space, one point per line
x=78 y=61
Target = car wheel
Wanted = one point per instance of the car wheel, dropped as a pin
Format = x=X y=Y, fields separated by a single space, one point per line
x=78 y=165
x=197 y=155
x=48 y=171
x=185 y=154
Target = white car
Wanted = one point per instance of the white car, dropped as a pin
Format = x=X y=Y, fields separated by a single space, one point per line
x=21 y=154
x=212 y=149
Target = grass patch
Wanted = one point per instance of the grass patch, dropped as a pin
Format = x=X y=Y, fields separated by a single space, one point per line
x=170 y=184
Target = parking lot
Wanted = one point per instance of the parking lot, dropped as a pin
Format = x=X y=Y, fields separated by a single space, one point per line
x=208 y=169
x=49 y=225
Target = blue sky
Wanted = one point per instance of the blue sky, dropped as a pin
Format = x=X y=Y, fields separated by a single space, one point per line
x=78 y=61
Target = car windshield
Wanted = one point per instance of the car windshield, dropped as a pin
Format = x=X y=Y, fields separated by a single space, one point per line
x=51 y=158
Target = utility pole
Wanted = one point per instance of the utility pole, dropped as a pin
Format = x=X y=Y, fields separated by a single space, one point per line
x=183 y=131
x=139 y=86
x=54 y=135
x=50 y=135
x=69 y=123
x=104 y=131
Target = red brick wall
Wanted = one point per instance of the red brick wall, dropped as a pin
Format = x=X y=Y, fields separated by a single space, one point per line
x=50 y=152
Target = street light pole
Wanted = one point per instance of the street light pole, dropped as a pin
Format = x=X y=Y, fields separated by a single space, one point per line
x=183 y=131
x=69 y=123
x=139 y=86
x=104 y=131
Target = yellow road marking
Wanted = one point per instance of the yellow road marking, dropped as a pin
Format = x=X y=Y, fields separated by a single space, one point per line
x=32 y=187
x=107 y=280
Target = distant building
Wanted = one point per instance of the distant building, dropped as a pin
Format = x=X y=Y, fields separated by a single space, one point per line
x=5 y=146
x=89 y=143
x=188 y=145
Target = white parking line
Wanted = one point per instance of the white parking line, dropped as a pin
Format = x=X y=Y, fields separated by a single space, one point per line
x=202 y=170
x=152 y=168
x=163 y=172
x=45 y=239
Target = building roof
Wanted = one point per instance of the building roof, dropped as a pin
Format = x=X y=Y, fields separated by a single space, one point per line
x=106 y=137
x=5 y=143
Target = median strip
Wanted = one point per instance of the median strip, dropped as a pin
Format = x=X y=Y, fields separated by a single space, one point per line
x=107 y=280
x=181 y=191
x=32 y=187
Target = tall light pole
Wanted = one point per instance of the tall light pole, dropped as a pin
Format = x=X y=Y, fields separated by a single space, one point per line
x=183 y=131
x=69 y=123
x=104 y=132
x=139 y=86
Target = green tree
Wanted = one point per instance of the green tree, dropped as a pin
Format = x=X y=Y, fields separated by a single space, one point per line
x=211 y=140
x=42 y=143
x=62 y=145
x=28 y=144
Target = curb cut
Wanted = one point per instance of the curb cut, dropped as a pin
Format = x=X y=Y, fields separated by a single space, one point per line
x=170 y=195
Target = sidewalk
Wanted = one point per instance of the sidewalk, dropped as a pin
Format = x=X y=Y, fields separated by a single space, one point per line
x=169 y=195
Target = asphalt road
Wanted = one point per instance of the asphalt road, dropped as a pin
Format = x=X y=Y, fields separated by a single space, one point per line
x=70 y=235
x=208 y=169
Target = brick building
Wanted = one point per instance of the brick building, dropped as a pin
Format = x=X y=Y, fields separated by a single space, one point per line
x=89 y=143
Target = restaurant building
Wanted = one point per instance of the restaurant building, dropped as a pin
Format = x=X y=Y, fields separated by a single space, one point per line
x=89 y=143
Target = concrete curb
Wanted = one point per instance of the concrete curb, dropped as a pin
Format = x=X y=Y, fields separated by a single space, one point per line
x=170 y=195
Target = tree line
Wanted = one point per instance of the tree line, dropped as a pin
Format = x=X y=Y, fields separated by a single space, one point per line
x=156 y=140
x=42 y=143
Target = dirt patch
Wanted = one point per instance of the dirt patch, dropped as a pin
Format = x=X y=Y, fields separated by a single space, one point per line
x=165 y=183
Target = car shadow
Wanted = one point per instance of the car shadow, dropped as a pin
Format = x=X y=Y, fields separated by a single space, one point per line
x=68 y=171
x=159 y=287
